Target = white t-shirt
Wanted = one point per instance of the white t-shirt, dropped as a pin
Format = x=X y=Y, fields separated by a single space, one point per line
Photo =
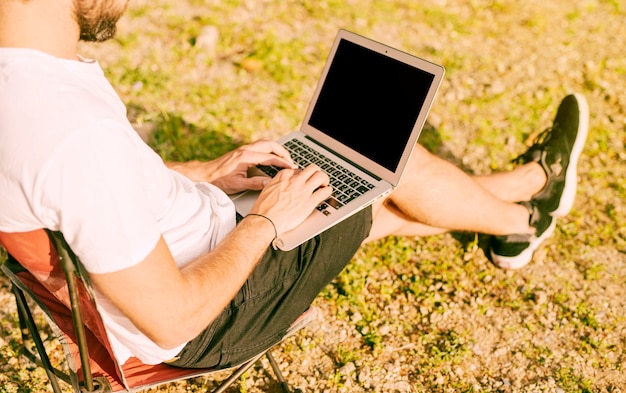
x=71 y=162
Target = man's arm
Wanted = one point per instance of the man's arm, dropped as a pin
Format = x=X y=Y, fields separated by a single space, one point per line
x=172 y=306
x=230 y=171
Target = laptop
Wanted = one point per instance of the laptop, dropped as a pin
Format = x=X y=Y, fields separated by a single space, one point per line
x=361 y=125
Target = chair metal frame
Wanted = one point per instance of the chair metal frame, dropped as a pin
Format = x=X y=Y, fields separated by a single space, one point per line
x=86 y=382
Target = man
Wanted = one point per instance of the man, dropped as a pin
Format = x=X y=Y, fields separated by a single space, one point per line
x=177 y=279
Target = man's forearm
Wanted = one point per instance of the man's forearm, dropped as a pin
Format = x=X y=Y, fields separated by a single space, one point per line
x=220 y=275
x=194 y=170
x=172 y=306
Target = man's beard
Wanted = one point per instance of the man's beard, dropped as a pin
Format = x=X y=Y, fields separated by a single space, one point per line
x=96 y=19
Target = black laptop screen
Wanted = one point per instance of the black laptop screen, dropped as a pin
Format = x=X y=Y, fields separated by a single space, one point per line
x=370 y=102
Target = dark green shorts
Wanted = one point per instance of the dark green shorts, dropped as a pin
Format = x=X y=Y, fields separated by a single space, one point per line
x=280 y=289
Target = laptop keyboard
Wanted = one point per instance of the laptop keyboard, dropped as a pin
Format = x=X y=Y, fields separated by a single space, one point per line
x=346 y=185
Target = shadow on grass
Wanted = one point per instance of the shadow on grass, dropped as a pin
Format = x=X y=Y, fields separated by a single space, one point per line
x=175 y=139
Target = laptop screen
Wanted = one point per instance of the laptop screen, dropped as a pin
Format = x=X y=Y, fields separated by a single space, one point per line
x=370 y=102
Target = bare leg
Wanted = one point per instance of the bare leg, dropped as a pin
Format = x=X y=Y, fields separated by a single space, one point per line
x=519 y=184
x=436 y=196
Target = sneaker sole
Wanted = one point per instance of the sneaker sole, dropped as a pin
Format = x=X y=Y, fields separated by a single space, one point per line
x=569 y=193
x=521 y=260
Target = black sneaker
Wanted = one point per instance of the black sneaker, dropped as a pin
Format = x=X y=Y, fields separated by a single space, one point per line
x=557 y=151
x=515 y=251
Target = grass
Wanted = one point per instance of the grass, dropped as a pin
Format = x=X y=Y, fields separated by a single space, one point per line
x=430 y=314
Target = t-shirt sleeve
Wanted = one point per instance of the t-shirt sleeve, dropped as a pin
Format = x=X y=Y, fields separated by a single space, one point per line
x=101 y=199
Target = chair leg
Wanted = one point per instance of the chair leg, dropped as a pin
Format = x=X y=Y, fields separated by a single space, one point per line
x=237 y=373
x=279 y=375
x=244 y=367
x=26 y=318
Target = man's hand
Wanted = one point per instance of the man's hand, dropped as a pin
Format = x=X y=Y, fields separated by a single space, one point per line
x=292 y=195
x=230 y=172
x=287 y=199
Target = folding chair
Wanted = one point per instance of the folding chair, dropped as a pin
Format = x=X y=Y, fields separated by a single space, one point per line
x=41 y=266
